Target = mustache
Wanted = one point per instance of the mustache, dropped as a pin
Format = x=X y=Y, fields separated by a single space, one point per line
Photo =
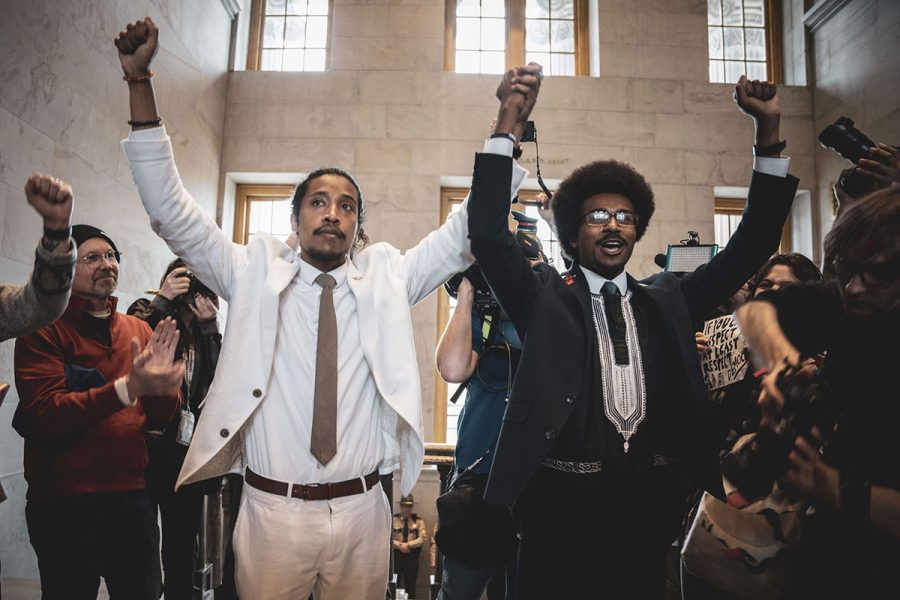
x=330 y=229
x=103 y=274
x=612 y=237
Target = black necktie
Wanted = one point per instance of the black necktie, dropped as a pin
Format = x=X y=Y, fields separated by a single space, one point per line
x=615 y=320
x=405 y=530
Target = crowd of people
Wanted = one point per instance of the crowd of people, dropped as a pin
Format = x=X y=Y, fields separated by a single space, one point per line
x=584 y=385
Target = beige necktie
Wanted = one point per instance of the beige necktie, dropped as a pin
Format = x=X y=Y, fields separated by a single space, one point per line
x=324 y=428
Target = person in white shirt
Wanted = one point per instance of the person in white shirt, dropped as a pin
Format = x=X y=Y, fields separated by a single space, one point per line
x=317 y=389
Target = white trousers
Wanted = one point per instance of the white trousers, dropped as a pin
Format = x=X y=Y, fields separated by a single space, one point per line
x=286 y=548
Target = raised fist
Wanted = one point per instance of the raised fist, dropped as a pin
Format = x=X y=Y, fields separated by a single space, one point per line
x=52 y=199
x=138 y=44
x=518 y=92
x=757 y=99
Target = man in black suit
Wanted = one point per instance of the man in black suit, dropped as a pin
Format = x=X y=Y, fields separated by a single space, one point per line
x=608 y=411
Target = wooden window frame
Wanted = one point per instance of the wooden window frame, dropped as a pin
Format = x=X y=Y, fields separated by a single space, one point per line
x=774 y=46
x=245 y=195
x=449 y=197
x=515 y=35
x=735 y=206
x=257 y=29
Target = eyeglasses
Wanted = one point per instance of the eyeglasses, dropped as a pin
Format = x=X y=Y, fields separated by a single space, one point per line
x=873 y=276
x=602 y=216
x=93 y=260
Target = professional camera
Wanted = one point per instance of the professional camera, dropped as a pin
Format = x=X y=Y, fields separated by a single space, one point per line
x=484 y=301
x=754 y=467
x=852 y=144
x=196 y=287
x=528 y=241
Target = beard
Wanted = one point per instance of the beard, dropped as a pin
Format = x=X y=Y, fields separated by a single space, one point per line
x=325 y=255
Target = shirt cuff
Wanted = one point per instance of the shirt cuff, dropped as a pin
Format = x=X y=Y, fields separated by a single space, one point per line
x=151 y=134
x=122 y=389
x=499 y=145
x=769 y=165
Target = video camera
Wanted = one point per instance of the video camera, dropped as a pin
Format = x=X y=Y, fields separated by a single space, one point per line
x=852 y=144
x=754 y=467
x=526 y=238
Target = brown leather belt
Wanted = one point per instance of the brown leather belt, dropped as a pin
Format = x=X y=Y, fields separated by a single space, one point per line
x=312 y=491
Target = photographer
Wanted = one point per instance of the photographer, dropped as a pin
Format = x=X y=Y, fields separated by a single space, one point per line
x=875 y=165
x=851 y=544
x=479 y=350
x=193 y=307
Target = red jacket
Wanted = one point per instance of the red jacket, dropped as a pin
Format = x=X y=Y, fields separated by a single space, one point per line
x=87 y=441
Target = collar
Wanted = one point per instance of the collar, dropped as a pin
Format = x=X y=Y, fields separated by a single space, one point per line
x=595 y=282
x=308 y=273
x=79 y=306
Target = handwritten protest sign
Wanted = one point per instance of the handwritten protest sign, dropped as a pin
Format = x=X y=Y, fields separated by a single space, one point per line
x=726 y=361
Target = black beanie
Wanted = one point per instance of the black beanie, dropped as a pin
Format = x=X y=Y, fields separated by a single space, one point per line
x=82 y=233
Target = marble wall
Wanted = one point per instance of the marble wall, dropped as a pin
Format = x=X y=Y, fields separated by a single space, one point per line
x=855 y=55
x=386 y=111
x=63 y=110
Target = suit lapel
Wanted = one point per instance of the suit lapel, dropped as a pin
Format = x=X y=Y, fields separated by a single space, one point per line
x=664 y=307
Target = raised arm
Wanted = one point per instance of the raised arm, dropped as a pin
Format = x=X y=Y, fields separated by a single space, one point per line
x=768 y=203
x=174 y=215
x=455 y=359
x=504 y=265
x=44 y=298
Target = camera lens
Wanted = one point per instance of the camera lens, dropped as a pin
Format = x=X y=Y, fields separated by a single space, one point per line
x=845 y=139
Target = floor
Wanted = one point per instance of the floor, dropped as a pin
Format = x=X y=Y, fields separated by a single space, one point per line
x=12 y=588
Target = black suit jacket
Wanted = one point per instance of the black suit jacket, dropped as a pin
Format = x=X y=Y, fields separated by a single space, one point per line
x=553 y=317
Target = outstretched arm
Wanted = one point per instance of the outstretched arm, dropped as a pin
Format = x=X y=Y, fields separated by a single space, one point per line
x=768 y=203
x=504 y=265
x=44 y=298
x=174 y=215
x=138 y=44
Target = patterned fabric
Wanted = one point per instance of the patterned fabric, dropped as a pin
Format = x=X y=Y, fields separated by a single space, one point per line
x=624 y=392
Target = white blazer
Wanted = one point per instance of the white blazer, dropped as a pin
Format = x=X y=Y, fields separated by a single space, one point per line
x=385 y=282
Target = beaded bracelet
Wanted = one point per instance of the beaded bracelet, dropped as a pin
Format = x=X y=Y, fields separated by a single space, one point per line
x=149 y=123
x=137 y=78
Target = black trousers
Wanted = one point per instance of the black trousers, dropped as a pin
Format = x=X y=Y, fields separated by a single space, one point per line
x=407 y=568
x=180 y=515
x=79 y=539
x=626 y=521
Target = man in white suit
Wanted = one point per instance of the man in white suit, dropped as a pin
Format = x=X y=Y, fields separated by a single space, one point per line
x=318 y=518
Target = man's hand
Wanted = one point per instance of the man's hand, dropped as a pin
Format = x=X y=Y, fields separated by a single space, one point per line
x=153 y=372
x=771 y=400
x=883 y=167
x=702 y=342
x=52 y=199
x=138 y=44
x=517 y=92
x=759 y=100
x=203 y=308
x=544 y=210
x=810 y=476
x=175 y=284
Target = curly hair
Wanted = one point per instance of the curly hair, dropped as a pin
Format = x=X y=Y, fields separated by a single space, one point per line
x=361 y=238
x=802 y=268
x=868 y=228
x=599 y=177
